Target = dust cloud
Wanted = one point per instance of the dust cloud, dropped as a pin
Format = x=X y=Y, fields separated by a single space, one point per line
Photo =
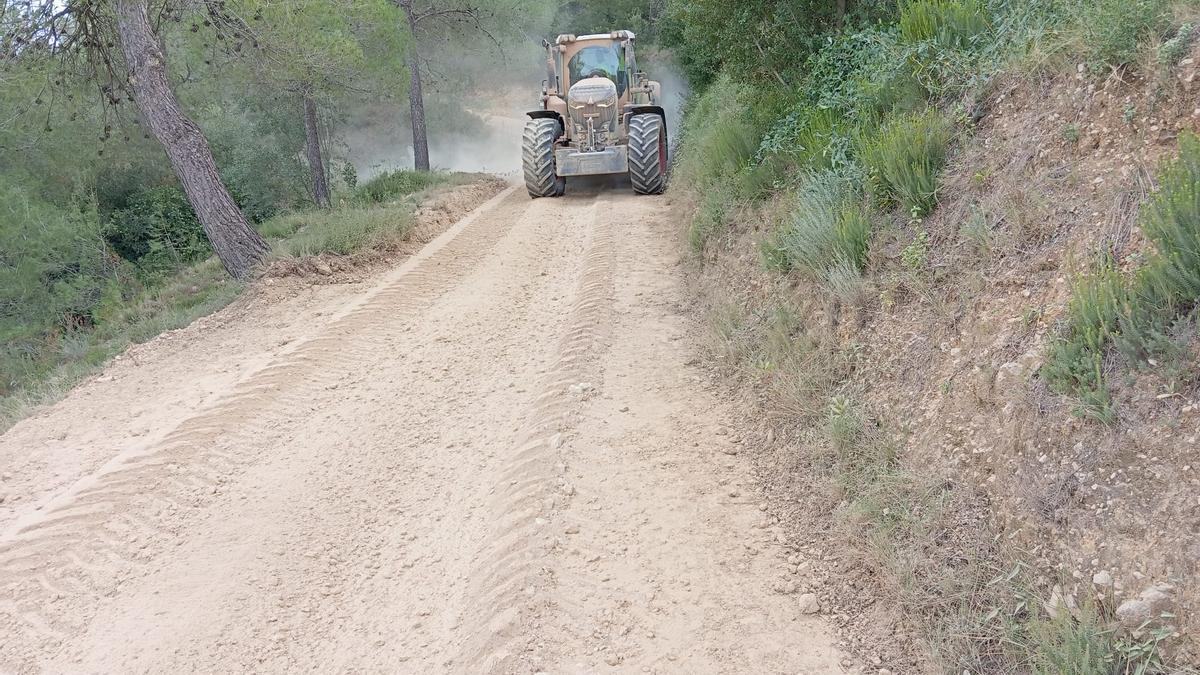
x=477 y=128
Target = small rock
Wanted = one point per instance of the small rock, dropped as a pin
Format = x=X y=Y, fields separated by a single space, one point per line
x=572 y=529
x=809 y=604
x=1133 y=613
x=1102 y=578
x=786 y=587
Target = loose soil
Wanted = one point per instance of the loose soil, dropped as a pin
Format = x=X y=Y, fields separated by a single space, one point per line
x=497 y=455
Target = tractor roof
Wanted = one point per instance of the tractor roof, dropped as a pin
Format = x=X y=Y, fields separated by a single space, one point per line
x=614 y=35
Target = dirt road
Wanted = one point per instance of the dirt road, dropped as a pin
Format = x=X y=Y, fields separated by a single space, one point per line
x=495 y=457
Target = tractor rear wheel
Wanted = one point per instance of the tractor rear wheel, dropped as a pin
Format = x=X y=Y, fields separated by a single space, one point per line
x=647 y=154
x=537 y=158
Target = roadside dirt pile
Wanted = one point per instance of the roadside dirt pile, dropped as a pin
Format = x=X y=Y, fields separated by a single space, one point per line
x=437 y=211
x=940 y=356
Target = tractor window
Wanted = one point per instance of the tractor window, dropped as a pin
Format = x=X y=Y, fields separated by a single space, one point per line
x=599 y=61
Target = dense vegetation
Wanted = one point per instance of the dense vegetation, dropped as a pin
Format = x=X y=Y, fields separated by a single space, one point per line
x=836 y=131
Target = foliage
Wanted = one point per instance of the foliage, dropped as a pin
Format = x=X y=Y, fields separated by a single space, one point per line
x=347 y=231
x=1172 y=50
x=709 y=219
x=1075 y=365
x=157 y=231
x=718 y=137
x=1167 y=287
x=56 y=274
x=915 y=256
x=904 y=160
x=828 y=231
x=1086 y=641
x=391 y=185
x=955 y=24
x=324 y=48
x=765 y=41
x=377 y=214
x=815 y=138
x=645 y=19
x=1111 y=30
x=1137 y=314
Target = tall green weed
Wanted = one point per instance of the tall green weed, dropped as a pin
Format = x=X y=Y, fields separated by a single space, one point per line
x=1111 y=31
x=904 y=160
x=1137 y=314
x=956 y=24
x=827 y=234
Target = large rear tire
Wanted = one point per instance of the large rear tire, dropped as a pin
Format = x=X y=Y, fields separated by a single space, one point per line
x=537 y=158
x=647 y=154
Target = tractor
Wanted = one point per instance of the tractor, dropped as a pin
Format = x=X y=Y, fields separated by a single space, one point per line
x=599 y=115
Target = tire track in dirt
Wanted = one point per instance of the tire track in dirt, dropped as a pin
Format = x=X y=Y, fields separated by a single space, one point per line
x=84 y=543
x=510 y=576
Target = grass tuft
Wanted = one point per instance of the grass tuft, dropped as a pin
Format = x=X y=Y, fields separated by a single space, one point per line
x=1138 y=314
x=904 y=160
x=827 y=235
x=1111 y=31
x=955 y=24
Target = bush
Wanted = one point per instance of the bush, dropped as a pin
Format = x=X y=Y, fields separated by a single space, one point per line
x=391 y=185
x=158 y=231
x=709 y=219
x=954 y=24
x=828 y=233
x=1167 y=287
x=344 y=231
x=55 y=274
x=1112 y=29
x=813 y=138
x=718 y=137
x=904 y=160
x=1075 y=365
x=1138 y=314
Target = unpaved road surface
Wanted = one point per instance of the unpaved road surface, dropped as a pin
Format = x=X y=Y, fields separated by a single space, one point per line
x=494 y=458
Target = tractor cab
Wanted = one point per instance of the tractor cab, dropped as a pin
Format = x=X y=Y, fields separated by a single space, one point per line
x=596 y=105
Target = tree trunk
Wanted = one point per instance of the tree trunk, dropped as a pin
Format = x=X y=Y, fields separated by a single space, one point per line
x=841 y=14
x=312 y=147
x=236 y=243
x=416 y=100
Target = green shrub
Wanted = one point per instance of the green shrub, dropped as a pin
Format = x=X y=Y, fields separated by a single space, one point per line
x=812 y=138
x=1137 y=314
x=157 y=231
x=718 y=136
x=1087 y=640
x=346 y=231
x=394 y=184
x=709 y=219
x=1167 y=287
x=1075 y=365
x=827 y=234
x=1112 y=30
x=1172 y=51
x=56 y=272
x=904 y=160
x=758 y=180
x=896 y=91
x=953 y=24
